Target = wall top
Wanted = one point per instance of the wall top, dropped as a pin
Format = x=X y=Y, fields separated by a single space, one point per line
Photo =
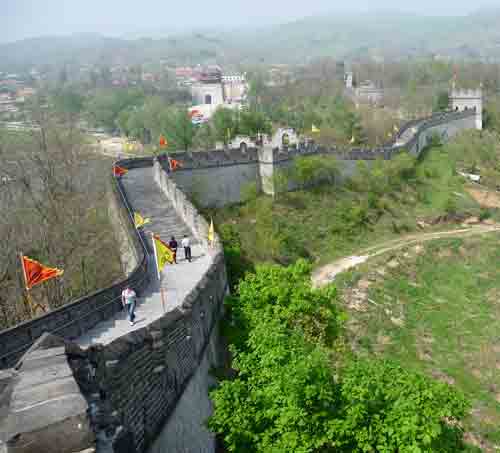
x=466 y=93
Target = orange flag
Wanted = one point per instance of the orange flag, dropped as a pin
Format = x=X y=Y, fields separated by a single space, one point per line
x=119 y=171
x=163 y=142
x=174 y=164
x=36 y=273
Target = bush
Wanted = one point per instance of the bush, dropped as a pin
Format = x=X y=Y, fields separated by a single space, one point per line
x=287 y=397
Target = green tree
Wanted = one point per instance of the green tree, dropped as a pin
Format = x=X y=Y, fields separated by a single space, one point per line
x=252 y=122
x=179 y=129
x=68 y=102
x=442 y=101
x=104 y=108
x=288 y=396
x=225 y=124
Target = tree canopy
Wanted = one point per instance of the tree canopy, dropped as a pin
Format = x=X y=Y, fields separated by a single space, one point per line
x=293 y=393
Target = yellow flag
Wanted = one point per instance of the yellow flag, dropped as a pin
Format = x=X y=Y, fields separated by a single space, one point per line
x=211 y=233
x=314 y=129
x=395 y=128
x=164 y=254
x=139 y=220
x=352 y=139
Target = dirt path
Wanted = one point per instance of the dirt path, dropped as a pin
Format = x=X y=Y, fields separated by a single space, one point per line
x=326 y=274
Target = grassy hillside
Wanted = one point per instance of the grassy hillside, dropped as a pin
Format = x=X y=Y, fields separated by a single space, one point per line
x=435 y=308
x=329 y=221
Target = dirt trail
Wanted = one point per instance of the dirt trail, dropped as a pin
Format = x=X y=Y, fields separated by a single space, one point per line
x=326 y=274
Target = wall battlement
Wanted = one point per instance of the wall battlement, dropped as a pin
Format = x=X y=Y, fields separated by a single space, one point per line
x=216 y=178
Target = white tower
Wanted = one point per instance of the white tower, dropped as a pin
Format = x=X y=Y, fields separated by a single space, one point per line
x=349 y=80
x=461 y=100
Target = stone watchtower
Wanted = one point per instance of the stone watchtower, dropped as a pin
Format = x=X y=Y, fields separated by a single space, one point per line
x=461 y=100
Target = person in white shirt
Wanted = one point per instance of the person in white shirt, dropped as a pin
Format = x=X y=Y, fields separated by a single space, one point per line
x=186 y=243
x=128 y=300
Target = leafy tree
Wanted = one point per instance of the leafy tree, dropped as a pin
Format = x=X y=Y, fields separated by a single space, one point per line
x=287 y=396
x=252 y=122
x=204 y=137
x=68 y=102
x=104 y=108
x=179 y=129
x=442 y=101
x=309 y=170
x=225 y=124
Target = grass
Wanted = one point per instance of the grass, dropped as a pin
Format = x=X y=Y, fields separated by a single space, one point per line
x=329 y=222
x=437 y=309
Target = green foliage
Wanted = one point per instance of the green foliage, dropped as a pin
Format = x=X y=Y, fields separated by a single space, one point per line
x=68 y=102
x=447 y=295
x=442 y=101
x=104 y=108
x=252 y=122
x=287 y=396
x=309 y=170
x=225 y=124
x=492 y=114
x=179 y=129
x=228 y=123
x=392 y=409
x=237 y=264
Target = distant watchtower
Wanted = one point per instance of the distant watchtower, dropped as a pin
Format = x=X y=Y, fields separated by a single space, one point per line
x=461 y=100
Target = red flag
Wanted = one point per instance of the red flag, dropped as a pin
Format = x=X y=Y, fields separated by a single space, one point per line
x=36 y=273
x=163 y=142
x=174 y=164
x=119 y=171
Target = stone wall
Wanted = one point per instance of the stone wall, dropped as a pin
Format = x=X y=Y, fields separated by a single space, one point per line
x=186 y=430
x=218 y=178
x=77 y=317
x=218 y=186
x=145 y=390
x=144 y=374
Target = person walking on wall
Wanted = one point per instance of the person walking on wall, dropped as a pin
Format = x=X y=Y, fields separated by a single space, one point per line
x=186 y=243
x=173 y=245
x=128 y=300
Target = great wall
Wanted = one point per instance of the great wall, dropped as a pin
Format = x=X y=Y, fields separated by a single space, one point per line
x=78 y=379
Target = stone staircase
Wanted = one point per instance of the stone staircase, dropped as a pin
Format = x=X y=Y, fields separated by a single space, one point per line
x=147 y=199
x=177 y=281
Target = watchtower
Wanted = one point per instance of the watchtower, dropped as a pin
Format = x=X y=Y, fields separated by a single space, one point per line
x=461 y=100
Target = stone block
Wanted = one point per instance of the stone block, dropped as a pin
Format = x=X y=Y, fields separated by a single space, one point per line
x=45 y=411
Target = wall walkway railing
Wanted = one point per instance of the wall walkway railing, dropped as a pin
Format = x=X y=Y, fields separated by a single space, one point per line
x=77 y=317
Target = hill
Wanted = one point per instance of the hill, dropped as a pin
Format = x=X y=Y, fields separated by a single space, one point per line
x=377 y=35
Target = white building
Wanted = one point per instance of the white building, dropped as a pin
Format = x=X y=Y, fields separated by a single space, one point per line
x=215 y=90
x=461 y=100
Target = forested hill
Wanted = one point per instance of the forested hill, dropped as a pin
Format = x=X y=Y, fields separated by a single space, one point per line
x=382 y=34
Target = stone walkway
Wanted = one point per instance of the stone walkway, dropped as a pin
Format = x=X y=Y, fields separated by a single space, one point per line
x=177 y=280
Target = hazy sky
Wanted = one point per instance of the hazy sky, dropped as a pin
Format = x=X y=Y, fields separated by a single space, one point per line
x=26 y=18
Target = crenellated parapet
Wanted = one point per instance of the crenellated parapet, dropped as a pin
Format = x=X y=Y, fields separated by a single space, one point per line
x=216 y=178
x=468 y=99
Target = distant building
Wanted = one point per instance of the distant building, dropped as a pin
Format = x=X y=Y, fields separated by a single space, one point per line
x=369 y=93
x=349 y=80
x=212 y=89
x=235 y=88
x=461 y=100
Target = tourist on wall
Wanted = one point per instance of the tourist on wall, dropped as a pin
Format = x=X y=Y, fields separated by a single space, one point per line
x=128 y=301
x=173 y=245
x=186 y=243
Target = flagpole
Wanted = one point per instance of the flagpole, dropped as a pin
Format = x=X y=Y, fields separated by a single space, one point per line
x=158 y=272
x=28 y=296
x=156 y=257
